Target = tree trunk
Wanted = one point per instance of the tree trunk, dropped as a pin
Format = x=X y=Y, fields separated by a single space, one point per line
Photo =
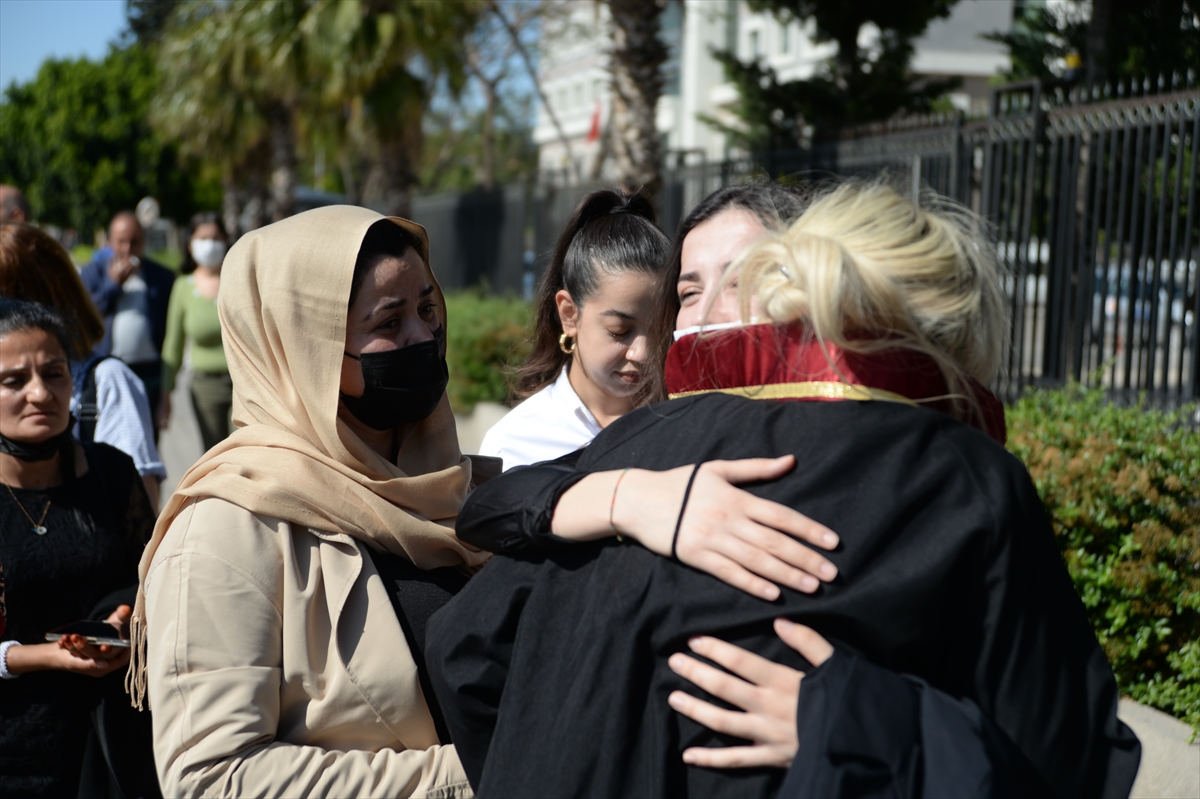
x=1096 y=71
x=231 y=206
x=846 y=58
x=636 y=63
x=485 y=175
x=398 y=145
x=349 y=185
x=283 y=162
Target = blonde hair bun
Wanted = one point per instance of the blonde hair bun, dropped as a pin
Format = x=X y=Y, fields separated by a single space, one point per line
x=863 y=258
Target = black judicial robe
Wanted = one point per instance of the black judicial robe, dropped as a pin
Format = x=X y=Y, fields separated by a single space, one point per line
x=552 y=663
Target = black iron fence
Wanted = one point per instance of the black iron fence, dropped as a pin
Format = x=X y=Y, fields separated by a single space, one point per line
x=1093 y=201
x=1092 y=195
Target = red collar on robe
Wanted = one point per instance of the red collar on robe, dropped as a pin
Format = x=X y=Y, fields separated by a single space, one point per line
x=784 y=362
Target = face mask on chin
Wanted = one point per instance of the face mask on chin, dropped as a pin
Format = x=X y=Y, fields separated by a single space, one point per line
x=403 y=385
x=208 y=253
x=42 y=450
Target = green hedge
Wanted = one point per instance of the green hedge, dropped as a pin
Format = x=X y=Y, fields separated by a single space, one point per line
x=1122 y=487
x=485 y=337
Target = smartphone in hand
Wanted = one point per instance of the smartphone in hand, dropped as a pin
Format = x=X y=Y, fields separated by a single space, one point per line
x=94 y=632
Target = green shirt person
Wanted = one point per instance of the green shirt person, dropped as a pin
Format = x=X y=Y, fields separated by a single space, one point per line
x=192 y=317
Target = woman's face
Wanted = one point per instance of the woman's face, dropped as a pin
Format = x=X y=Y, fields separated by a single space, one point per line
x=394 y=308
x=208 y=246
x=35 y=386
x=708 y=249
x=610 y=331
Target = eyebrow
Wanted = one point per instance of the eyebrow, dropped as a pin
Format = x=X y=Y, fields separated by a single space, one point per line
x=690 y=277
x=400 y=303
x=13 y=370
x=619 y=314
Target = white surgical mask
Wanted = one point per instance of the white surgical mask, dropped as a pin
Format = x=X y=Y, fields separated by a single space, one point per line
x=208 y=252
x=687 y=331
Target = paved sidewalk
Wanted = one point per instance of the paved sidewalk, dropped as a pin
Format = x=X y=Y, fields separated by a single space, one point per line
x=179 y=445
x=1170 y=765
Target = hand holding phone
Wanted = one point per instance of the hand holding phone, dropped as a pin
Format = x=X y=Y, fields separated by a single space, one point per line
x=96 y=640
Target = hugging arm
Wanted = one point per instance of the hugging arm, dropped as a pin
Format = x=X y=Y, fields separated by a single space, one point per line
x=748 y=542
x=847 y=725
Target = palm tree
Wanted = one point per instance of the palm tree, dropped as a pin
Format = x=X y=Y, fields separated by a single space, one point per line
x=380 y=61
x=272 y=66
x=635 y=62
x=235 y=78
x=200 y=106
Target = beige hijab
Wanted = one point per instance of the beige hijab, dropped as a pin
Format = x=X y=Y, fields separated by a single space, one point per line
x=283 y=308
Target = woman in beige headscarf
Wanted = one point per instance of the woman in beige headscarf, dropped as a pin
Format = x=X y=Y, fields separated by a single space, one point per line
x=273 y=659
x=264 y=632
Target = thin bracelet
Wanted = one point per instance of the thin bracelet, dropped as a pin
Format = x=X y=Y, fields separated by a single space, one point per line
x=612 y=506
x=5 y=674
x=687 y=492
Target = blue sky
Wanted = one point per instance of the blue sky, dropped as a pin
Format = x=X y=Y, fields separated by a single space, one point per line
x=33 y=30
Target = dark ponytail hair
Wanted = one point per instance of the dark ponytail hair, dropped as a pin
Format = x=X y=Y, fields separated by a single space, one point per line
x=774 y=205
x=609 y=233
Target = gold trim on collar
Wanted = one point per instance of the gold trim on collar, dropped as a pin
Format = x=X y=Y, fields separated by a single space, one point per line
x=809 y=390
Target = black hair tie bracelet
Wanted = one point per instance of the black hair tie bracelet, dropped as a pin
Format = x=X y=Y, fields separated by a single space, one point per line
x=687 y=492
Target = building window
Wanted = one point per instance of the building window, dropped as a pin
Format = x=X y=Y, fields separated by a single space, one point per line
x=785 y=38
x=755 y=44
x=579 y=95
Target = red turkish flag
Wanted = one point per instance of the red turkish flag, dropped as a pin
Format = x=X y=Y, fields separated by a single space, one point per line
x=594 y=131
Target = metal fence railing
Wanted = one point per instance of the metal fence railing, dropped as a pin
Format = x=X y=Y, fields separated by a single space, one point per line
x=1091 y=194
x=1093 y=203
x=1092 y=197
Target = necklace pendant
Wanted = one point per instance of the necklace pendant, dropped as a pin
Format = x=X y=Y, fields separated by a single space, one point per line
x=40 y=529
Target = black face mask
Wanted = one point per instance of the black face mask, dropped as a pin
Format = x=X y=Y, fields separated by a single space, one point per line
x=403 y=385
x=42 y=451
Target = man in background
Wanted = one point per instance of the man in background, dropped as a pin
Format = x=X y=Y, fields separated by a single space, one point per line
x=132 y=293
x=13 y=205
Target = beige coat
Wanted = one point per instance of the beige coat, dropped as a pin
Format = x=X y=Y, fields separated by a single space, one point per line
x=261 y=687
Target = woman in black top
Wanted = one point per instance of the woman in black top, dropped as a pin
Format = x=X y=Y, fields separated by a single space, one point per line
x=554 y=661
x=73 y=520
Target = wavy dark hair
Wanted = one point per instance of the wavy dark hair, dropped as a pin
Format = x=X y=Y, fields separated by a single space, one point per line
x=202 y=218
x=774 y=205
x=609 y=233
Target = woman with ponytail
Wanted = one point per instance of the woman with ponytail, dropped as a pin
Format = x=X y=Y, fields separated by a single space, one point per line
x=594 y=306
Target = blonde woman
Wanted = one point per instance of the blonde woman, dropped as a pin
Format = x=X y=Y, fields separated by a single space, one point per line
x=885 y=322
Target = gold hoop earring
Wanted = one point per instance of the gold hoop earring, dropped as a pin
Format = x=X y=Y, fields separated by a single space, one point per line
x=562 y=343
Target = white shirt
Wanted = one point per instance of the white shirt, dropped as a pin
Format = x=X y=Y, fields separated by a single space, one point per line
x=132 y=340
x=124 y=420
x=548 y=425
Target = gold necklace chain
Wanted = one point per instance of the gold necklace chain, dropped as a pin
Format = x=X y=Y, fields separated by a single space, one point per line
x=38 y=527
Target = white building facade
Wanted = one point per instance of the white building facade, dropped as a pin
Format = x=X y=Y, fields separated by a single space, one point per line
x=575 y=78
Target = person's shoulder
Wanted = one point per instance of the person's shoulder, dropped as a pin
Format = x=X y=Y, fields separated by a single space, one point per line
x=219 y=528
x=540 y=428
x=156 y=271
x=110 y=469
x=114 y=376
x=108 y=459
x=96 y=264
x=212 y=544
